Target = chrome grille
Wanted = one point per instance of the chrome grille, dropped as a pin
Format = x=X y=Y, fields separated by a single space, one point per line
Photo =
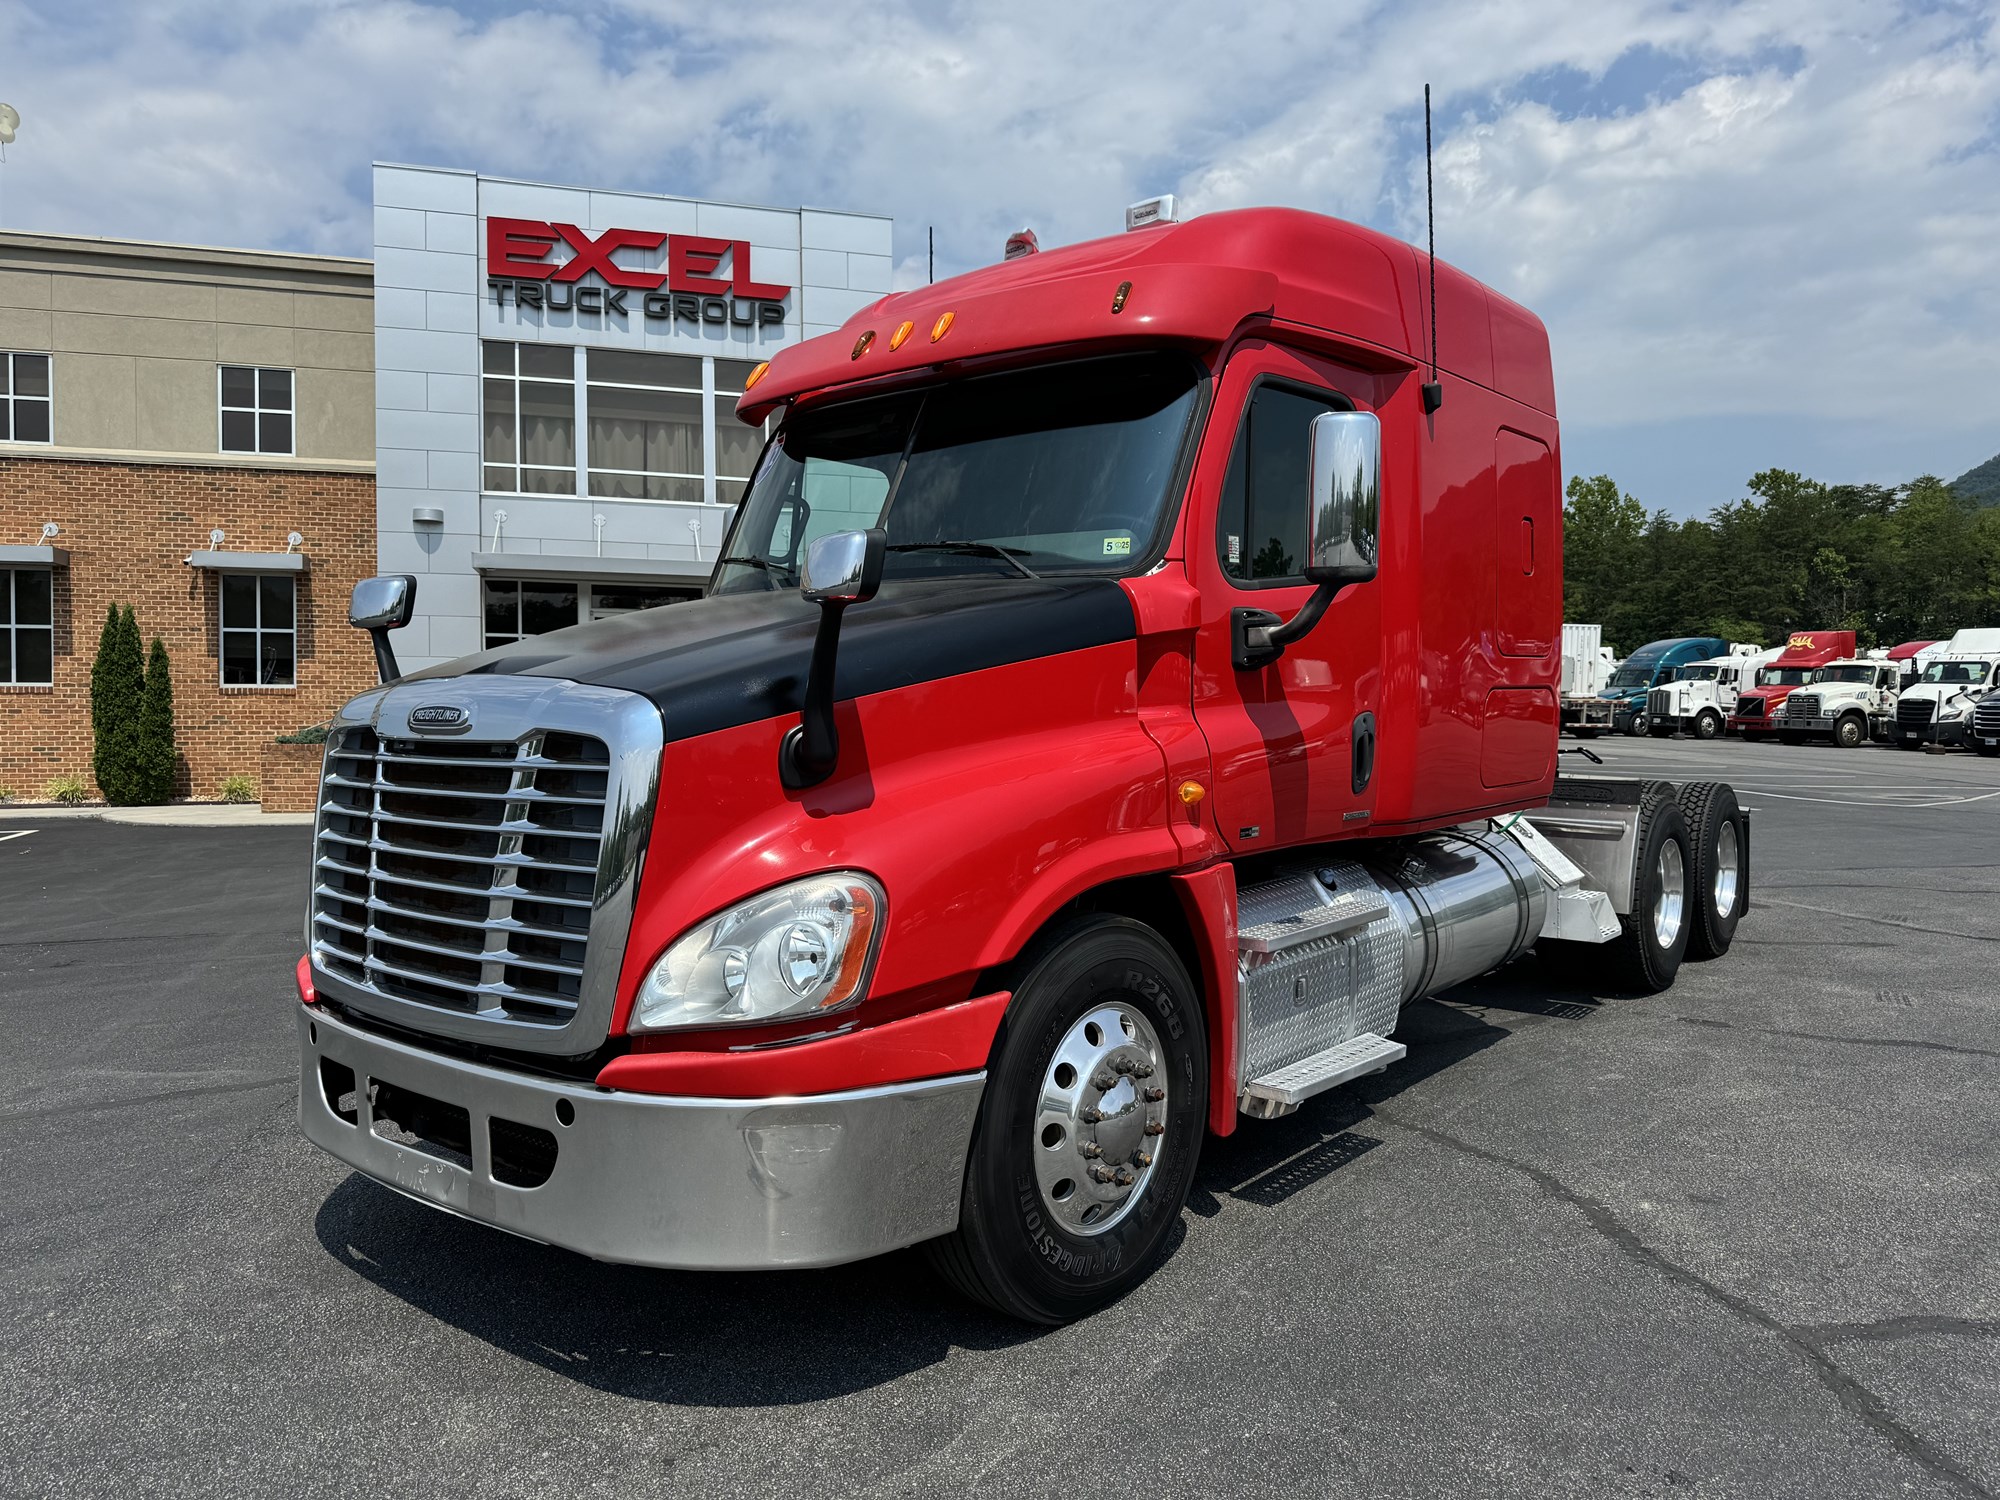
x=1986 y=718
x=1660 y=702
x=461 y=875
x=1802 y=706
x=1914 y=713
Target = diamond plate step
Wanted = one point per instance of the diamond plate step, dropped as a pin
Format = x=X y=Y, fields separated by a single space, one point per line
x=1281 y=1092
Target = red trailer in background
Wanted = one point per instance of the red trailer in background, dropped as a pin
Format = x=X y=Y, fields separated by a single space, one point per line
x=1804 y=653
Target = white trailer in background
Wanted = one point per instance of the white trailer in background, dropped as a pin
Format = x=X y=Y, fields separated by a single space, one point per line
x=1587 y=666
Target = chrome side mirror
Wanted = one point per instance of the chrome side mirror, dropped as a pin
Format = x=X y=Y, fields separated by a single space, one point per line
x=379 y=605
x=384 y=602
x=844 y=567
x=840 y=569
x=1346 y=498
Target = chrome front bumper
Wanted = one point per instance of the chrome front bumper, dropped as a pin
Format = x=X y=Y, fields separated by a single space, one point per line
x=714 y=1184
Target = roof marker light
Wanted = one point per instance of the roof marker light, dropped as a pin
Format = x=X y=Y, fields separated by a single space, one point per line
x=1021 y=242
x=902 y=333
x=861 y=344
x=1124 y=291
x=942 y=326
x=756 y=375
x=1150 y=211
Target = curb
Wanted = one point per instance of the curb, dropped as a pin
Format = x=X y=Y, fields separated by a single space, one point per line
x=215 y=815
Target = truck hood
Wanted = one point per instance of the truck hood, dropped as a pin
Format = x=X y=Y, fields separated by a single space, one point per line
x=730 y=659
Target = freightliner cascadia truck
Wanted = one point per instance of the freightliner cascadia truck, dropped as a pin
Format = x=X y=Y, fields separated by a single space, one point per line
x=1130 y=679
x=1806 y=651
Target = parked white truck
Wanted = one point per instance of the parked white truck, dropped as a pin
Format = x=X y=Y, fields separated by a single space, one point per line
x=1847 y=702
x=1937 y=707
x=1587 y=666
x=1700 y=697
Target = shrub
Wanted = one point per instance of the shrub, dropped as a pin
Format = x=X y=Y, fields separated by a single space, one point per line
x=238 y=789
x=154 y=750
x=312 y=734
x=6 y=794
x=68 y=790
x=117 y=684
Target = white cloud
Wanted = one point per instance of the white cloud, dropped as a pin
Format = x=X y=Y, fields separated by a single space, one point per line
x=1793 y=211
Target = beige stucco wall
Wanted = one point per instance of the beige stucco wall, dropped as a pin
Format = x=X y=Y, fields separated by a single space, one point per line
x=136 y=331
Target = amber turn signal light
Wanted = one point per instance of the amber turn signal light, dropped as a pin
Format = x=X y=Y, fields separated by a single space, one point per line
x=942 y=326
x=756 y=375
x=902 y=333
x=861 y=344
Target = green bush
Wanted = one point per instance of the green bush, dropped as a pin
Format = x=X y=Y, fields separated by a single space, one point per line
x=68 y=790
x=312 y=734
x=117 y=684
x=155 y=747
x=238 y=789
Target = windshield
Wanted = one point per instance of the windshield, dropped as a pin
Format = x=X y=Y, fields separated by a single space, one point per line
x=1638 y=672
x=1057 y=469
x=1785 y=676
x=1955 y=671
x=1700 y=674
x=1858 y=672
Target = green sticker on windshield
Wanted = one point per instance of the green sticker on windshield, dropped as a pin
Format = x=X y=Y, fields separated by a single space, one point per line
x=1118 y=546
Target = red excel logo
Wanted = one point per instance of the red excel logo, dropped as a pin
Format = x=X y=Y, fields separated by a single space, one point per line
x=521 y=249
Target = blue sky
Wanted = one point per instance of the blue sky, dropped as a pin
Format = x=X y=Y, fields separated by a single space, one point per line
x=1762 y=234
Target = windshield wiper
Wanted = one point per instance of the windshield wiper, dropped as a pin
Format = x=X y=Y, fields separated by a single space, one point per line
x=1010 y=555
x=763 y=564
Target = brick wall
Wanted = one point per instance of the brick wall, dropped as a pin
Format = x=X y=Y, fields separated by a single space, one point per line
x=127 y=528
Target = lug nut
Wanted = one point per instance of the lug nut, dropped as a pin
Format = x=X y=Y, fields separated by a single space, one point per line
x=1089 y=1116
x=1142 y=1070
x=1142 y=1158
x=1103 y=1081
x=1154 y=1127
x=1126 y=1176
x=1155 y=1095
x=1123 y=1064
x=1089 y=1149
x=1101 y=1174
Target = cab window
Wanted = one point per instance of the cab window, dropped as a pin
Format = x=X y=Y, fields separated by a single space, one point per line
x=1261 y=520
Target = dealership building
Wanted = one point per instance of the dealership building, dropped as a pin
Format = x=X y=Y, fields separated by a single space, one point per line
x=527 y=401
x=556 y=375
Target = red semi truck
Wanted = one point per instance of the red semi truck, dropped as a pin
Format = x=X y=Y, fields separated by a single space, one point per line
x=1806 y=651
x=1130 y=679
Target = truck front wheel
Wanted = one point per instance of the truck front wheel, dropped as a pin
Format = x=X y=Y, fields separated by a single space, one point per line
x=1708 y=725
x=1637 y=725
x=1090 y=1129
x=1850 y=731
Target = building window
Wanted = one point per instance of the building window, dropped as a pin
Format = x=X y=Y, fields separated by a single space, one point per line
x=256 y=410
x=27 y=627
x=24 y=398
x=645 y=426
x=528 y=402
x=259 y=636
x=736 y=446
x=519 y=607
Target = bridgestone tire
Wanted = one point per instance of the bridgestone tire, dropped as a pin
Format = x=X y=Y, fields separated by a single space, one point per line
x=1707 y=726
x=1712 y=816
x=1635 y=962
x=1008 y=1251
x=1849 y=731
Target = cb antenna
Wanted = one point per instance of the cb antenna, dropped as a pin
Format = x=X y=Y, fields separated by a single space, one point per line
x=1433 y=390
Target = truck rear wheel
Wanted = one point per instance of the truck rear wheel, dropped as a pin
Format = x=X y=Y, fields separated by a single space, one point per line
x=1653 y=937
x=1850 y=731
x=1719 y=881
x=1088 y=1136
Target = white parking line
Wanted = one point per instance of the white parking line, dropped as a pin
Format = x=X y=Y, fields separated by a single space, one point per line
x=19 y=833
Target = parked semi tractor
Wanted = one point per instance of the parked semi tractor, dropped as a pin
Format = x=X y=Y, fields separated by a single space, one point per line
x=1627 y=691
x=1806 y=651
x=1937 y=707
x=1130 y=679
x=1587 y=665
x=1984 y=732
x=1699 y=697
x=1848 y=702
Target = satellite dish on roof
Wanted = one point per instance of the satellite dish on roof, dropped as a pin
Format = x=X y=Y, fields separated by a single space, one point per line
x=10 y=122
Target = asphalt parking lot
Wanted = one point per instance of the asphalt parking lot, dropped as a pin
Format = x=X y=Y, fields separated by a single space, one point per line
x=1742 y=1238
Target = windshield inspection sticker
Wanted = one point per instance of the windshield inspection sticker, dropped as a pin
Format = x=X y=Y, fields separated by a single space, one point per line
x=1235 y=550
x=1118 y=546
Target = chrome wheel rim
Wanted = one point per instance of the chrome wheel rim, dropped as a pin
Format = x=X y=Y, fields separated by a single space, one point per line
x=1100 y=1123
x=1727 y=869
x=1673 y=894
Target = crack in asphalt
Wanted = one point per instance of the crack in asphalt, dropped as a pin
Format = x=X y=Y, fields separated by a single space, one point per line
x=1855 y=916
x=1807 y=1343
x=1908 y=1326
x=91 y=1106
x=1849 y=1041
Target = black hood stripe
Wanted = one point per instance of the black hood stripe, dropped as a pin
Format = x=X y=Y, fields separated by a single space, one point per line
x=733 y=659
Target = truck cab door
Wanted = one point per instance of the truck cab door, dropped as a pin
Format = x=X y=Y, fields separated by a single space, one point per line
x=1293 y=744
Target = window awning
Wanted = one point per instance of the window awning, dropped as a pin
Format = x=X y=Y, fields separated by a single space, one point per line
x=248 y=562
x=34 y=557
x=681 y=572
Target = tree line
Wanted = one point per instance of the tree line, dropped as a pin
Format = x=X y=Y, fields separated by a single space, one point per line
x=1892 y=563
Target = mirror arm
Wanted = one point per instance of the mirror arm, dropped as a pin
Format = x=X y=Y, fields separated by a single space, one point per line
x=1258 y=637
x=811 y=747
x=385 y=655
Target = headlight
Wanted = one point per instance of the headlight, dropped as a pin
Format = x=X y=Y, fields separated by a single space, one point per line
x=1956 y=710
x=798 y=950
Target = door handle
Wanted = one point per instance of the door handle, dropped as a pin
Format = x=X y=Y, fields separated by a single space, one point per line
x=1363 y=770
